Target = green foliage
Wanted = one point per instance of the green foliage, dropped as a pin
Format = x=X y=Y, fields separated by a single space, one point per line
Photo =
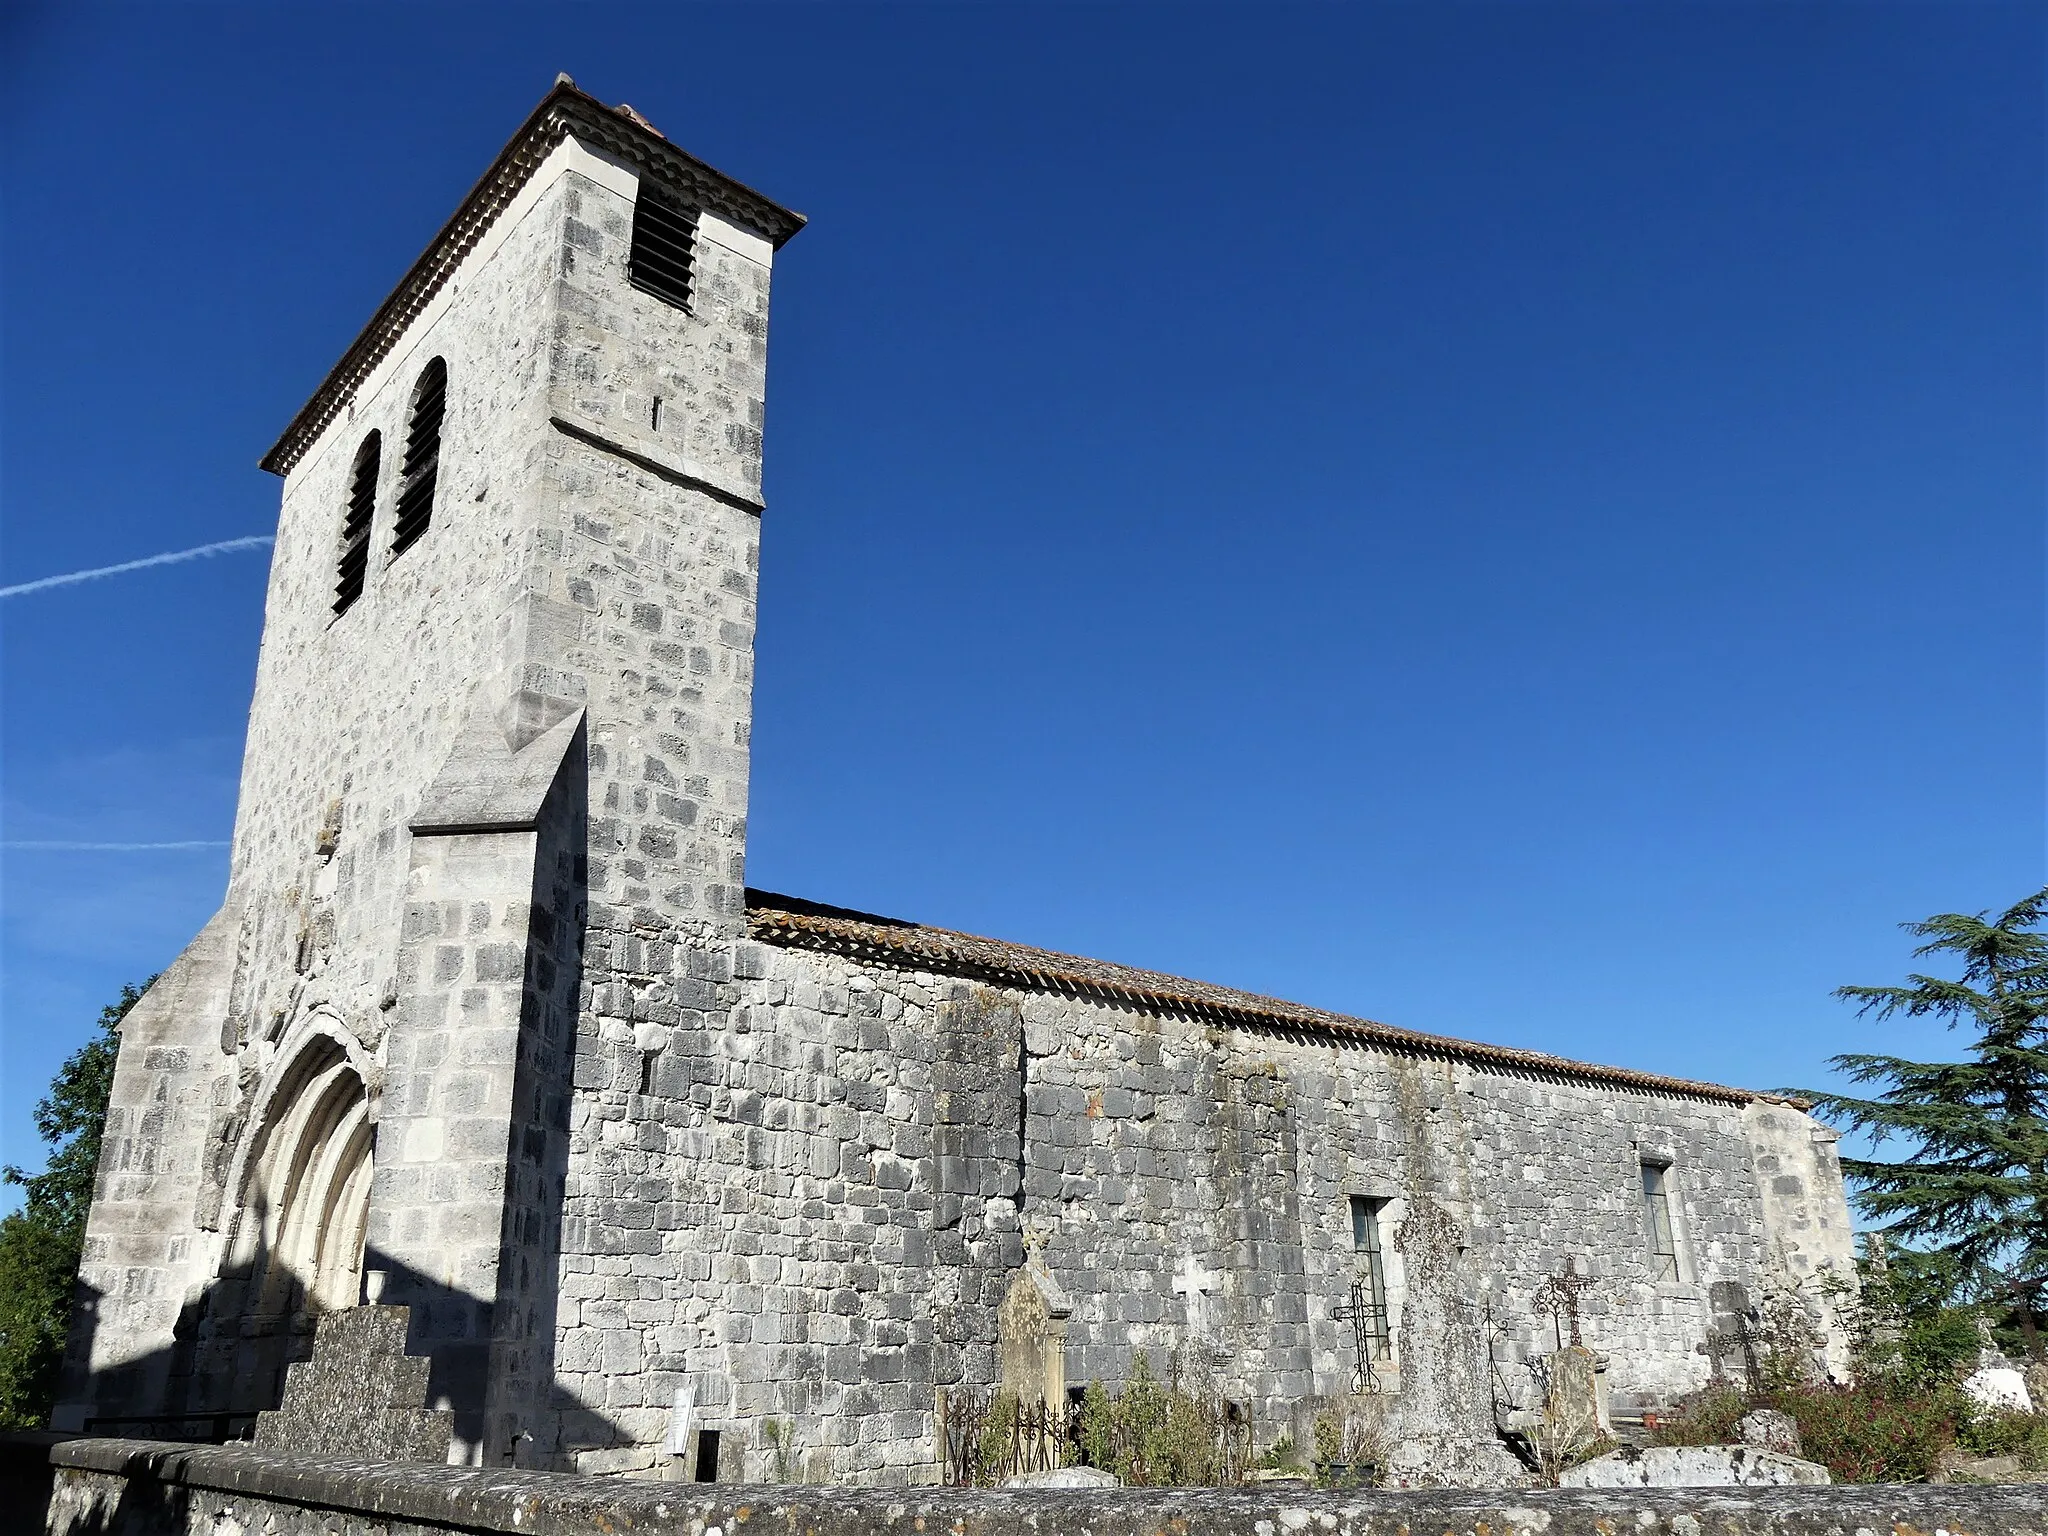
x=70 y=1118
x=40 y=1244
x=780 y=1438
x=1914 y=1328
x=997 y=1440
x=1329 y=1431
x=1706 y=1418
x=1870 y=1434
x=38 y=1263
x=1160 y=1434
x=1998 y=1432
x=1097 y=1433
x=1281 y=1456
x=1974 y=1184
x=1351 y=1447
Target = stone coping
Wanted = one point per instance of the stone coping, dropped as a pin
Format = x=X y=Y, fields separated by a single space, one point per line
x=560 y=1504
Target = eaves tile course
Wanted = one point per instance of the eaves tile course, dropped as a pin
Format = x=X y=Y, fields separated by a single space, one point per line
x=792 y=923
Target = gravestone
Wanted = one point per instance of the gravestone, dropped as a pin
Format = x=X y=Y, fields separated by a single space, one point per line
x=360 y=1394
x=1731 y=1336
x=1996 y=1383
x=1574 y=1410
x=1031 y=1329
x=1770 y=1430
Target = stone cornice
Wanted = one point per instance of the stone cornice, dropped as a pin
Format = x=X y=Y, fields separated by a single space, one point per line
x=563 y=113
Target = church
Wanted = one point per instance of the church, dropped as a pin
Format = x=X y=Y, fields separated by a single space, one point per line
x=679 y=1178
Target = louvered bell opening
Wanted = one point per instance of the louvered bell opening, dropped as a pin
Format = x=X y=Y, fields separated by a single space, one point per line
x=664 y=244
x=422 y=459
x=355 y=525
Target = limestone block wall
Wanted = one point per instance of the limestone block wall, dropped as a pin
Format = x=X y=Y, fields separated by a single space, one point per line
x=350 y=720
x=650 y=534
x=170 y=1081
x=818 y=1182
x=800 y=1192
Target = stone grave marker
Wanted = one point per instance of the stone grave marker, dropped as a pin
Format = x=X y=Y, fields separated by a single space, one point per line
x=1770 y=1430
x=1031 y=1326
x=359 y=1395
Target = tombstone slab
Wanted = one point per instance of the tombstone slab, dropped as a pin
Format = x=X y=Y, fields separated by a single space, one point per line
x=1031 y=1326
x=1064 y=1477
x=2000 y=1387
x=1574 y=1403
x=1693 y=1466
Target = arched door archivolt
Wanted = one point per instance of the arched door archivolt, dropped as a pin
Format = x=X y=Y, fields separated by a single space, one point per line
x=307 y=1193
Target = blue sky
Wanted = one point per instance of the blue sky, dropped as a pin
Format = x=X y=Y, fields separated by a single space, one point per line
x=1517 y=521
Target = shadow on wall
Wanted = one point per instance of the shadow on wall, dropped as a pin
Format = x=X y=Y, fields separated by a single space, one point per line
x=300 y=1241
x=206 y=1403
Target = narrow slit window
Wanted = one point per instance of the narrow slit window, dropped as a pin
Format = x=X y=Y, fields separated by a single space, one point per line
x=1370 y=1277
x=1657 y=1221
x=354 y=562
x=664 y=249
x=422 y=467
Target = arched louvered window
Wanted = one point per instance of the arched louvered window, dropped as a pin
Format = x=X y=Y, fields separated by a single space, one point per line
x=355 y=523
x=422 y=457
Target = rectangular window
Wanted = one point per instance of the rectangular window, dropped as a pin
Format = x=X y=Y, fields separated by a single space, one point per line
x=1370 y=1282
x=664 y=249
x=1657 y=1221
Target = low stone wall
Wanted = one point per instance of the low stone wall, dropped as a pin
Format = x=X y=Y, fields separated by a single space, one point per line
x=145 y=1488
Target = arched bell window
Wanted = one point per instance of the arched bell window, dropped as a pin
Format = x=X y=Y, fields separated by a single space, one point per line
x=354 y=561
x=422 y=465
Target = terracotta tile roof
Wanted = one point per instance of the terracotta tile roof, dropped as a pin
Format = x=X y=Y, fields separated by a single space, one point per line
x=796 y=924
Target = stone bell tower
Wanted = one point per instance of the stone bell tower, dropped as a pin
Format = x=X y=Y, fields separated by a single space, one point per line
x=492 y=825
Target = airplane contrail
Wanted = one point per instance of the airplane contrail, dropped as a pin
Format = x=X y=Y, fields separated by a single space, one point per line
x=224 y=547
x=112 y=847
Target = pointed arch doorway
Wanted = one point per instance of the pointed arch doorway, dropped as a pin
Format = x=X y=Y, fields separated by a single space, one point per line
x=297 y=1249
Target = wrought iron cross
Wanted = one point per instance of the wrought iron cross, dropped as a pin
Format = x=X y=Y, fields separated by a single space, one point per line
x=1561 y=1294
x=1359 y=1314
x=1737 y=1340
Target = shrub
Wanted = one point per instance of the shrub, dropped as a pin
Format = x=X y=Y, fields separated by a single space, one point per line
x=1867 y=1434
x=1281 y=1456
x=1995 y=1432
x=1871 y=1433
x=1706 y=1418
x=1351 y=1447
x=1161 y=1433
x=994 y=1444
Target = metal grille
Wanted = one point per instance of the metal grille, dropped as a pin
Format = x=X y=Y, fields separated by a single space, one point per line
x=1369 y=1294
x=355 y=523
x=422 y=457
x=1657 y=1221
x=664 y=246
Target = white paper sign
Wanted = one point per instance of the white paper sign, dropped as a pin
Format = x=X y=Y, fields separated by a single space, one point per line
x=679 y=1419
